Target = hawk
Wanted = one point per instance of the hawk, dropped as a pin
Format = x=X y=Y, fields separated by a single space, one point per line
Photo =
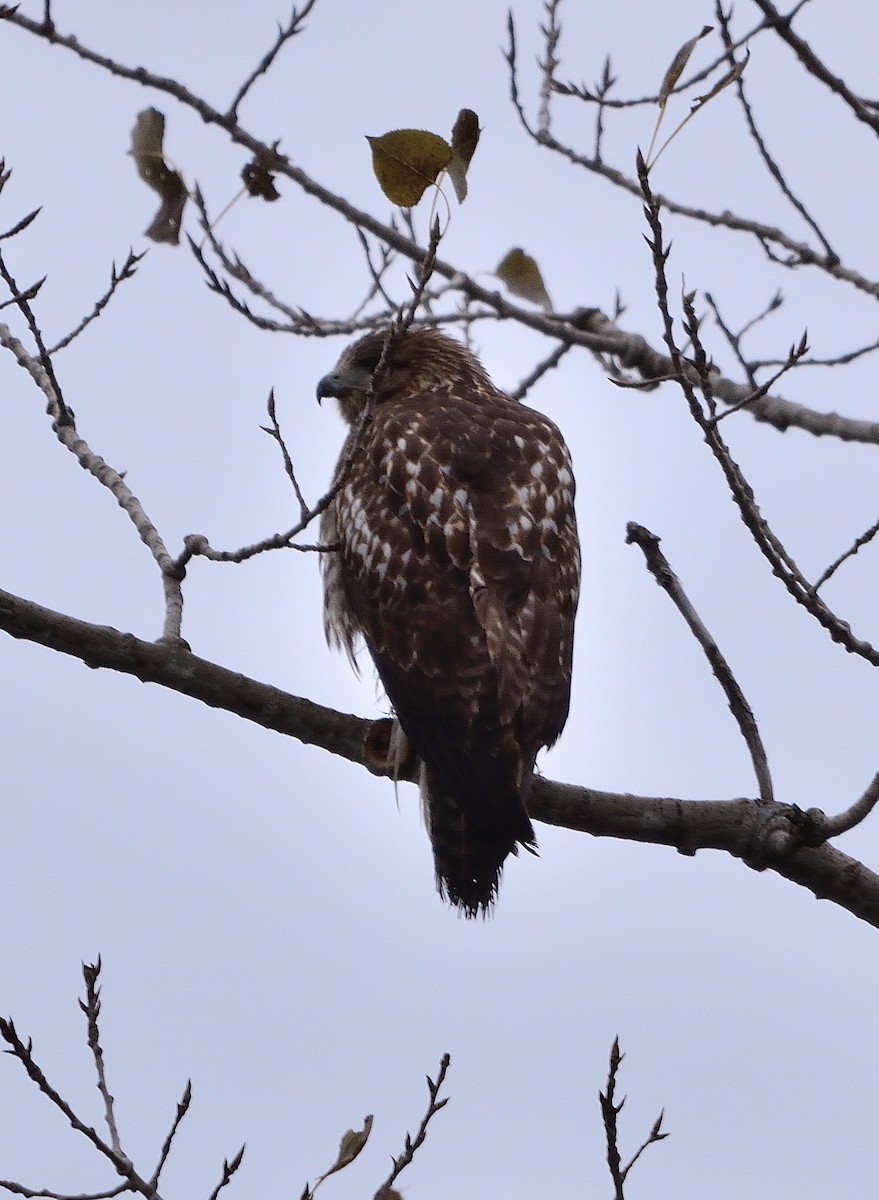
x=456 y=561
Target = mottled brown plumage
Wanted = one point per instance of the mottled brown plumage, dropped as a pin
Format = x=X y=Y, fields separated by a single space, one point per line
x=459 y=568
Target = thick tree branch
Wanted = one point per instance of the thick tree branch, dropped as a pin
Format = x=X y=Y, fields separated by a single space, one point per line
x=773 y=836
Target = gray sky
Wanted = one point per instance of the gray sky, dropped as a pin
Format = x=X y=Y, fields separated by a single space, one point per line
x=266 y=913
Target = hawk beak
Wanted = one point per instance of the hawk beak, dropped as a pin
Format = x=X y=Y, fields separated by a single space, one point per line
x=342 y=381
x=328 y=386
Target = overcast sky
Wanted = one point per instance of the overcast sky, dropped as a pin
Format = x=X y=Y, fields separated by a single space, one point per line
x=266 y=913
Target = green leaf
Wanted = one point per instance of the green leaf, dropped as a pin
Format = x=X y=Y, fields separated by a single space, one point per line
x=520 y=274
x=407 y=161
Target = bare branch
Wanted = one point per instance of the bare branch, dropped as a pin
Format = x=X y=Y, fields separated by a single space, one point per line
x=828 y=827
x=768 y=161
x=58 y=409
x=547 y=364
x=129 y=268
x=65 y=430
x=864 y=539
x=781 y=562
x=609 y=1113
x=797 y=253
x=611 y=340
x=18 y=1189
x=411 y=1145
x=23 y=1052
x=794 y=358
x=552 y=32
x=91 y=1006
x=813 y=64
x=274 y=431
x=24 y=222
x=182 y=1110
x=285 y=33
x=659 y=568
x=774 y=836
x=229 y=1169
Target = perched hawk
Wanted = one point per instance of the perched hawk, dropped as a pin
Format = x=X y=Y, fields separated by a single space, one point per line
x=458 y=565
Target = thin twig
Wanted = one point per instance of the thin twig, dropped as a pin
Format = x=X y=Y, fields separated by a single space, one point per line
x=197 y=544
x=275 y=432
x=24 y=1053
x=865 y=538
x=61 y=413
x=547 y=364
x=552 y=32
x=129 y=268
x=411 y=1145
x=783 y=565
x=609 y=1113
x=182 y=1110
x=794 y=358
x=229 y=1169
x=661 y=571
x=91 y=1006
x=735 y=339
x=284 y=35
x=18 y=1189
x=813 y=64
x=762 y=149
x=376 y=272
x=798 y=253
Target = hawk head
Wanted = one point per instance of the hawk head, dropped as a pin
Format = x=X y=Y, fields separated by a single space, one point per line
x=387 y=362
x=350 y=380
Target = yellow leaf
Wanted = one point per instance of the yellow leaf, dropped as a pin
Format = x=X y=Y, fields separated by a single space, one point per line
x=465 y=136
x=353 y=1141
x=407 y=161
x=146 y=150
x=520 y=274
x=679 y=61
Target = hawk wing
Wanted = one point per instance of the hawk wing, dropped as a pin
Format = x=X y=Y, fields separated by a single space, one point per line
x=460 y=566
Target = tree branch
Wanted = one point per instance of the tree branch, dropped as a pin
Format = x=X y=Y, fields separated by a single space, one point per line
x=774 y=836
x=814 y=65
x=598 y=335
x=661 y=571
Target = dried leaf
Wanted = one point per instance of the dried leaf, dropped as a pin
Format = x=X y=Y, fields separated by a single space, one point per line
x=520 y=274
x=146 y=150
x=698 y=104
x=679 y=61
x=729 y=78
x=353 y=1141
x=407 y=161
x=258 y=177
x=465 y=136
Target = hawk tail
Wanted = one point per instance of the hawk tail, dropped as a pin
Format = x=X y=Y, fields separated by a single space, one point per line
x=469 y=858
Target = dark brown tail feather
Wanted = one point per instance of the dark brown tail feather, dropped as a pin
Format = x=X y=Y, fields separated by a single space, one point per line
x=468 y=858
